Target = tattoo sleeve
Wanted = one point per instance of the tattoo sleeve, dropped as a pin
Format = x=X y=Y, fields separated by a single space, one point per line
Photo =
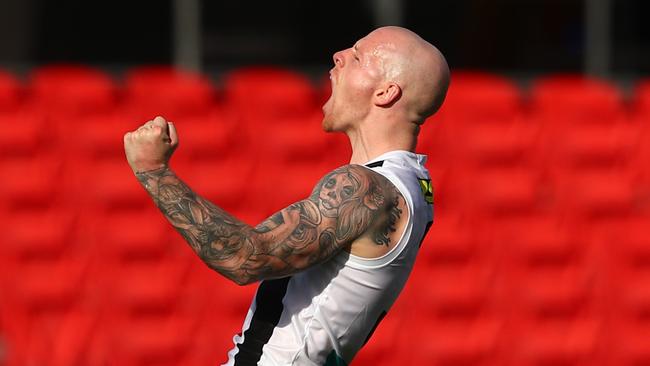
x=347 y=203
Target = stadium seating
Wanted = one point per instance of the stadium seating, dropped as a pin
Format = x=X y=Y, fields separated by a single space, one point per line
x=641 y=99
x=98 y=138
x=598 y=194
x=144 y=234
x=31 y=182
x=389 y=347
x=268 y=93
x=150 y=91
x=538 y=254
x=449 y=242
x=212 y=136
x=38 y=233
x=479 y=97
x=29 y=135
x=10 y=92
x=72 y=90
x=592 y=146
x=499 y=191
x=569 y=100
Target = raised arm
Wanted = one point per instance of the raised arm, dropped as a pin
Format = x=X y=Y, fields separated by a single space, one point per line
x=347 y=203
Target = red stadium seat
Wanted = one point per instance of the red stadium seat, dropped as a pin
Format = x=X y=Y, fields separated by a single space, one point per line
x=148 y=286
x=641 y=98
x=480 y=123
x=112 y=186
x=38 y=285
x=29 y=182
x=632 y=242
x=639 y=166
x=456 y=291
x=504 y=192
x=275 y=189
x=575 y=342
x=590 y=146
x=213 y=339
x=437 y=140
x=219 y=292
x=576 y=99
x=54 y=235
x=626 y=246
x=209 y=137
x=456 y=343
x=26 y=134
x=542 y=241
x=478 y=97
x=226 y=182
x=389 y=344
x=301 y=140
x=11 y=92
x=448 y=242
x=72 y=89
x=99 y=138
x=160 y=340
x=151 y=91
x=269 y=93
x=497 y=145
x=628 y=343
x=74 y=337
x=138 y=235
x=558 y=291
x=595 y=194
x=46 y=342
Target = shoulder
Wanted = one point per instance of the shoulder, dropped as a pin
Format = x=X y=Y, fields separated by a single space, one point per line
x=351 y=180
x=351 y=187
x=359 y=201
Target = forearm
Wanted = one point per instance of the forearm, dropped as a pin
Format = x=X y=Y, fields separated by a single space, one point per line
x=341 y=208
x=223 y=242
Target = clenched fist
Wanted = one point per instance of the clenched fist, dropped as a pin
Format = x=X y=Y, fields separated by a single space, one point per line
x=150 y=146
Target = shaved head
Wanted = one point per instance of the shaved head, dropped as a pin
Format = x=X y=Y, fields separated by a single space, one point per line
x=392 y=74
x=418 y=67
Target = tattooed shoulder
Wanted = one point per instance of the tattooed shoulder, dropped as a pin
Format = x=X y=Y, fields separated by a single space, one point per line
x=359 y=200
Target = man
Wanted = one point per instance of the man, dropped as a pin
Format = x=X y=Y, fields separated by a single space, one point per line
x=330 y=265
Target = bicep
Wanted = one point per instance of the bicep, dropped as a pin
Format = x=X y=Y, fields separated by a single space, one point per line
x=342 y=207
x=295 y=238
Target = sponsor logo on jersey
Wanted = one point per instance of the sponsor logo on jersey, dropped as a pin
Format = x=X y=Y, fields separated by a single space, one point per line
x=427 y=189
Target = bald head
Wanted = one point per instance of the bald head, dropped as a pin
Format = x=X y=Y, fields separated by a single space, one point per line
x=391 y=75
x=415 y=65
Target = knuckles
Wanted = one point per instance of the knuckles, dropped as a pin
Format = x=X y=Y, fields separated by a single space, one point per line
x=151 y=131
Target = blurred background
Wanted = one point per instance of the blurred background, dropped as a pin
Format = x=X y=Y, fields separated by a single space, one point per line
x=540 y=250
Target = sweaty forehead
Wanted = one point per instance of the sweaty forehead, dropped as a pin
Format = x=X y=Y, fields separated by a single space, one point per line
x=375 y=45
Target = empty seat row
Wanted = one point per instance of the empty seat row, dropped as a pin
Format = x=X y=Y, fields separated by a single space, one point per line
x=279 y=92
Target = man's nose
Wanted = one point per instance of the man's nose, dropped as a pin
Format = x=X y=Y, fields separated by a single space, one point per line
x=338 y=59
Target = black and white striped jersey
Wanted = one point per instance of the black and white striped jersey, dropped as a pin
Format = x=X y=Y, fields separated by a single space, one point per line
x=325 y=314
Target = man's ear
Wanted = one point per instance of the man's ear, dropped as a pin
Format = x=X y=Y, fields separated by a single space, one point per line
x=388 y=94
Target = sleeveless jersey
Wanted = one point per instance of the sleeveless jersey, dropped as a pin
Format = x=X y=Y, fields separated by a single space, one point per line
x=326 y=313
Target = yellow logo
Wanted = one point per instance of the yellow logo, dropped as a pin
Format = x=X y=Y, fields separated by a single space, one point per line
x=427 y=189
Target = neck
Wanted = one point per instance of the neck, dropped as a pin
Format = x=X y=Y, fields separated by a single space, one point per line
x=370 y=140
